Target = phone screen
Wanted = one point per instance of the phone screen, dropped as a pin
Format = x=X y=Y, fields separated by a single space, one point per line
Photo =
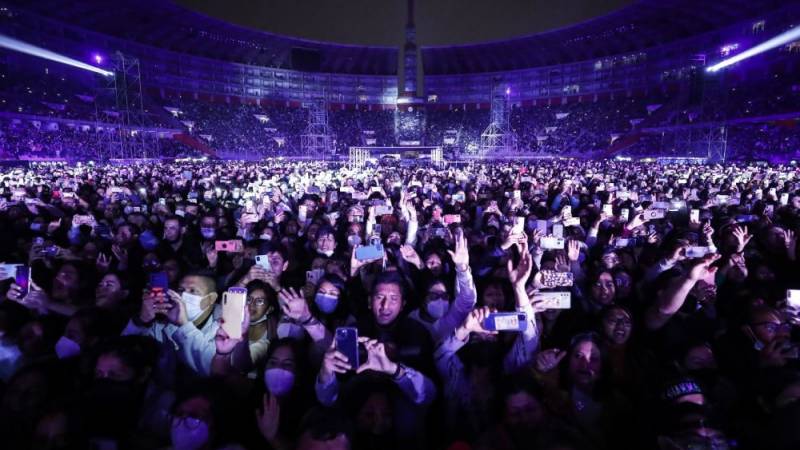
x=23 y=279
x=347 y=344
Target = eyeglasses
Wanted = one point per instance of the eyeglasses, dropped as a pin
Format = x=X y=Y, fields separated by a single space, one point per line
x=773 y=327
x=191 y=423
x=624 y=321
x=437 y=296
x=258 y=301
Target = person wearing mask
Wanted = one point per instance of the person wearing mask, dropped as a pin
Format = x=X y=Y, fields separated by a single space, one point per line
x=183 y=322
x=438 y=314
x=263 y=305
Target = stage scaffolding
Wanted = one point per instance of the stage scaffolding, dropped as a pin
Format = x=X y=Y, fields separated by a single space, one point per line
x=498 y=136
x=317 y=140
x=119 y=109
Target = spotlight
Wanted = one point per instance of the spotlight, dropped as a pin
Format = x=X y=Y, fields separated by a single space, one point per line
x=783 y=38
x=98 y=58
x=24 y=47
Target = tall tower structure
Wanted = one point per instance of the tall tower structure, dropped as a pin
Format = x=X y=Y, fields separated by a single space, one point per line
x=410 y=54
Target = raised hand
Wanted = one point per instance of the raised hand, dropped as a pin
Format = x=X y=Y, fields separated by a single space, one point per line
x=293 y=305
x=702 y=269
x=269 y=417
x=519 y=275
x=333 y=362
x=460 y=256
x=408 y=253
x=153 y=303
x=103 y=262
x=177 y=312
x=548 y=360
x=474 y=323
x=573 y=250
x=742 y=237
x=376 y=357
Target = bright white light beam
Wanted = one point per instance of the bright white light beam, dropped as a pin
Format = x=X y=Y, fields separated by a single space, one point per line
x=24 y=47
x=777 y=41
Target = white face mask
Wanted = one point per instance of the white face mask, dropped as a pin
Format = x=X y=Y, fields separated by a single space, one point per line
x=327 y=253
x=193 y=308
x=67 y=348
x=279 y=381
x=437 y=308
x=290 y=330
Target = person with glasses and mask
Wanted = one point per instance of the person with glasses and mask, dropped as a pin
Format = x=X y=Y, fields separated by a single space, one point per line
x=263 y=305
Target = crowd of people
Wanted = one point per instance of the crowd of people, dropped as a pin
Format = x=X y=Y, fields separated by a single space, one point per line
x=558 y=305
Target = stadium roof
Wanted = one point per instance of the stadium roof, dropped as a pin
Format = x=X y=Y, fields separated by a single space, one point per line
x=163 y=23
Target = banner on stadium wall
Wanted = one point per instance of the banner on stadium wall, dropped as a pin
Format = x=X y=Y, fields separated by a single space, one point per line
x=207 y=137
x=560 y=116
x=280 y=141
x=635 y=122
x=261 y=118
x=651 y=108
x=615 y=136
x=369 y=132
x=371 y=141
x=550 y=129
x=449 y=141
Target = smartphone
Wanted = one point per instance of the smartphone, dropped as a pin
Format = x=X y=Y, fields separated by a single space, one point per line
x=263 y=261
x=313 y=276
x=452 y=218
x=622 y=242
x=784 y=199
x=793 y=298
x=439 y=232
x=556 y=300
x=519 y=225
x=769 y=210
x=347 y=344
x=697 y=252
x=506 y=321
x=625 y=214
x=551 y=278
x=541 y=225
x=23 y=279
x=694 y=216
x=744 y=218
x=572 y=222
x=558 y=230
x=517 y=194
x=234 y=246
x=608 y=210
x=552 y=243
x=233 y=304
x=9 y=270
x=159 y=282
x=376 y=229
x=368 y=252
x=302 y=210
x=383 y=210
x=654 y=214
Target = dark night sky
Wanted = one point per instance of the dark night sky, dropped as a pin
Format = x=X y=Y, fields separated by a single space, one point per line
x=380 y=22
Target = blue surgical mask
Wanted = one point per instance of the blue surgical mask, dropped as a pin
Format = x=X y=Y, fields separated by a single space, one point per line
x=188 y=437
x=279 y=381
x=208 y=233
x=326 y=303
x=437 y=308
x=67 y=348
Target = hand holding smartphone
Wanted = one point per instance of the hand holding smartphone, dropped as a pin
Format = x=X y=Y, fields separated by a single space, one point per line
x=347 y=344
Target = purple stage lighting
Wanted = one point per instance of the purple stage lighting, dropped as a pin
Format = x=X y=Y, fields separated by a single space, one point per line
x=508 y=91
x=98 y=58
